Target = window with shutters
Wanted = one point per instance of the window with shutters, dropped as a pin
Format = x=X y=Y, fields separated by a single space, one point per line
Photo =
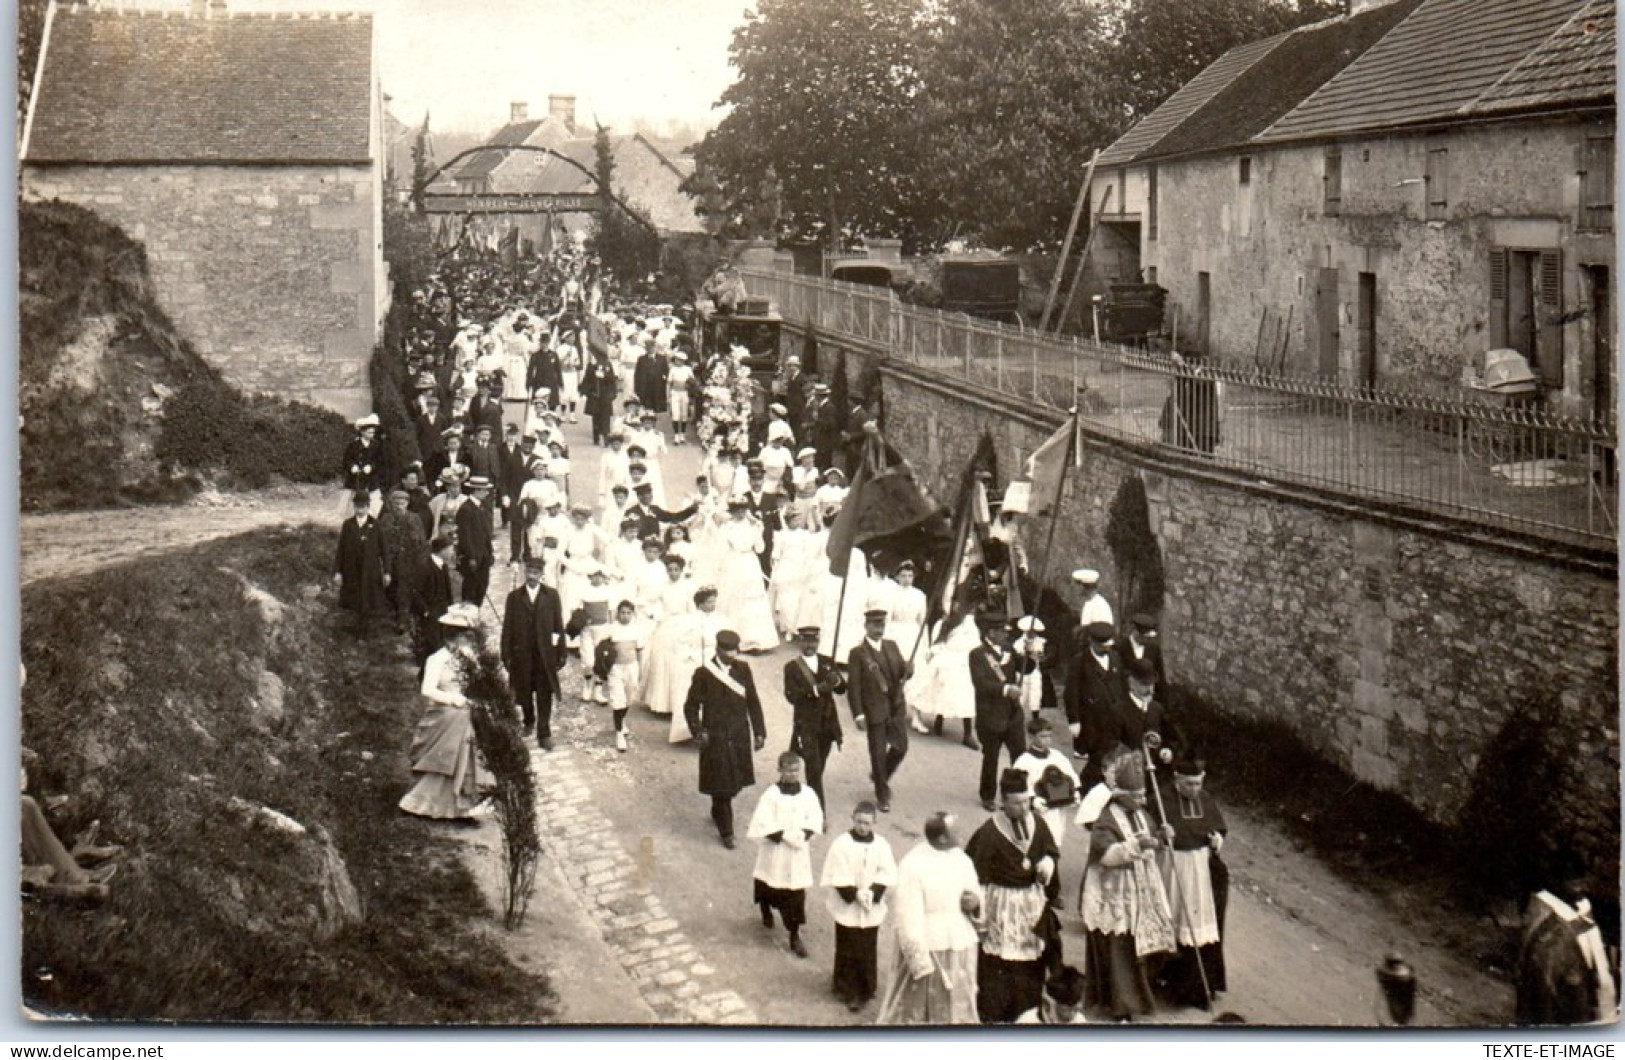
x=1333 y=181
x=1438 y=183
x=1151 y=202
x=1597 y=184
x=1526 y=308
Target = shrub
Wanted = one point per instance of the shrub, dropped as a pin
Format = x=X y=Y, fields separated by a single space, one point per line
x=503 y=747
x=250 y=441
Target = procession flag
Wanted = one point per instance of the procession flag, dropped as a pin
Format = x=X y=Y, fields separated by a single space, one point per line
x=883 y=501
x=1047 y=468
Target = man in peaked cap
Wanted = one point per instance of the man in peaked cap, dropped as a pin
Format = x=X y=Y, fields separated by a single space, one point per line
x=1143 y=642
x=999 y=721
x=724 y=713
x=811 y=684
x=876 y=673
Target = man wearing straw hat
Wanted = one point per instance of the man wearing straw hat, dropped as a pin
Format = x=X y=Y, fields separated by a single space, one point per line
x=475 y=531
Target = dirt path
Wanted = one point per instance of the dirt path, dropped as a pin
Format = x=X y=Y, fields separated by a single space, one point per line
x=67 y=543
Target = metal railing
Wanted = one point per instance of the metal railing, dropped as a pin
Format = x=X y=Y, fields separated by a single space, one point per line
x=1509 y=467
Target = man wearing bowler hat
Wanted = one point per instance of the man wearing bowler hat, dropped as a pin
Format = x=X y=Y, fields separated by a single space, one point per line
x=532 y=636
x=474 y=537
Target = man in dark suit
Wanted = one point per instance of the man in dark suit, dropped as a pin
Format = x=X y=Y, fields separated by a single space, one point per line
x=532 y=632
x=360 y=568
x=431 y=424
x=650 y=516
x=810 y=686
x=474 y=537
x=875 y=675
x=826 y=425
x=512 y=459
x=1142 y=642
x=484 y=407
x=484 y=458
x=724 y=713
x=433 y=597
x=1000 y=723
x=1096 y=691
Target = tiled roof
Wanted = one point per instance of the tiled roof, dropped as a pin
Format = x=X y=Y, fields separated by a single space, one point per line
x=1431 y=67
x=644 y=177
x=1143 y=138
x=169 y=87
x=1300 y=63
x=1574 y=65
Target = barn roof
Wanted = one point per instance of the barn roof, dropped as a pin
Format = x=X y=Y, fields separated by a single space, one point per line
x=128 y=86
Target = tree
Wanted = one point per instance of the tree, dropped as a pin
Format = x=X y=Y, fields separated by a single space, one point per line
x=1157 y=46
x=623 y=238
x=420 y=164
x=823 y=110
x=1010 y=112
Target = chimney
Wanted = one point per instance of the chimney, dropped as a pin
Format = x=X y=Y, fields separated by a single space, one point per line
x=518 y=111
x=217 y=8
x=564 y=109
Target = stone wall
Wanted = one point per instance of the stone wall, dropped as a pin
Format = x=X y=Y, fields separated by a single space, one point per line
x=1404 y=652
x=271 y=271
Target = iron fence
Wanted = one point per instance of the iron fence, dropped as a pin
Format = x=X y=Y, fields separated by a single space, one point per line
x=1499 y=465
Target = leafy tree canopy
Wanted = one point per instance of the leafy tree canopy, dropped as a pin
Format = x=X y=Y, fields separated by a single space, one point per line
x=823 y=107
x=925 y=119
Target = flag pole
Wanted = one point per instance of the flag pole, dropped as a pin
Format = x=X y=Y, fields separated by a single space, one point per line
x=1055 y=505
x=840 y=601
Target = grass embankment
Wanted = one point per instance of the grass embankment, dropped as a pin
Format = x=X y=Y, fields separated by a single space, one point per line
x=117 y=406
x=172 y=698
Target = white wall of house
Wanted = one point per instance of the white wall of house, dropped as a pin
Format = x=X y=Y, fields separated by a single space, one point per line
x=1268 y=243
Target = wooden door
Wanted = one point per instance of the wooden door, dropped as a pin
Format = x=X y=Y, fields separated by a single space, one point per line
x=1327 y=325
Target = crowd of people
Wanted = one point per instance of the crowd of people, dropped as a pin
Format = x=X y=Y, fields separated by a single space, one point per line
x=659 y=588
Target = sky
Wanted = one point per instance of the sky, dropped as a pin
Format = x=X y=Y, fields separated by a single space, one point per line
x=648 y=64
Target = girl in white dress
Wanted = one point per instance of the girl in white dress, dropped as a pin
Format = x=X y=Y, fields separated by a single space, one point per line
x=907 y=606
x=741 y=581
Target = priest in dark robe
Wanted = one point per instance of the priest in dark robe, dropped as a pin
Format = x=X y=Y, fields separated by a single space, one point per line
x=1017 y=862
x=1198 y=889
x=649 y=378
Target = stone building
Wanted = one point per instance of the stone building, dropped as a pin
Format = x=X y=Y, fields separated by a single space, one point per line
x=1397 y=191
x=244 y=151
x=533 y=166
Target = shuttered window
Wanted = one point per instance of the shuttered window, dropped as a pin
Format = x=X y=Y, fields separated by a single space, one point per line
x=1597 y=184
x=1549 y=339
x=1498 y=298
x=1151 y=202
x=1333 y=181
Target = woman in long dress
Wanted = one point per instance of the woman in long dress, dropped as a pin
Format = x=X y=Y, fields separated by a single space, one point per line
x=665 y=682
x=793 y=567
x=579 y=551
x=907 y=606
x=570 y=370
x=741 y=581
x=943 y=686
x=693 y=641
x=449 y=776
